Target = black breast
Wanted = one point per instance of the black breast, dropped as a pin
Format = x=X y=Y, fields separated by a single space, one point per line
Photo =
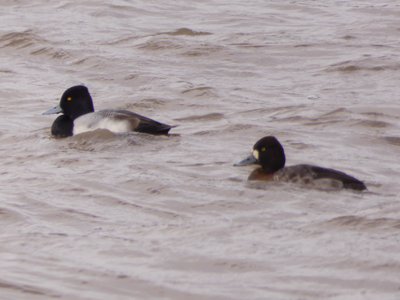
x=62 y=127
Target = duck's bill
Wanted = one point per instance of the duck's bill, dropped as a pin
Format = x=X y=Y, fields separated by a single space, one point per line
x=250 y=160
x=54 y=110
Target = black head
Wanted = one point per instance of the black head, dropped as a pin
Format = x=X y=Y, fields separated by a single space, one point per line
x=269 y=154
x=62 y=127
x=76 y=101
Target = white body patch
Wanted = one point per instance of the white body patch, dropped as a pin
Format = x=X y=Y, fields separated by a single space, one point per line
x=97 y=120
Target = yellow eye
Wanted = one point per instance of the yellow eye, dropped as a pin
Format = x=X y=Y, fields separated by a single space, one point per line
x=263 y=149
x=69 y=98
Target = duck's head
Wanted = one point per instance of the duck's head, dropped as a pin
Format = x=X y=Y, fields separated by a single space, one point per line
x=268 y=153
x=75 y=102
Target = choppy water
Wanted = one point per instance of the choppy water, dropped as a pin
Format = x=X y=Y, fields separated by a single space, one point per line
x=101 y=216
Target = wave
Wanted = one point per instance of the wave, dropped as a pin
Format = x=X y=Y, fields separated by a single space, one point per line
x=364 y=223
x=368 y=64
x=28 y=41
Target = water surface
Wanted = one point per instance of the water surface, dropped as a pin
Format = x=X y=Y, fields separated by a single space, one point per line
x=104 y=216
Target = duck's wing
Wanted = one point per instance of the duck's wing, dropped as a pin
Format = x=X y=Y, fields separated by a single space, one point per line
x=140 y=123
x=349 y=182
x=319 y=177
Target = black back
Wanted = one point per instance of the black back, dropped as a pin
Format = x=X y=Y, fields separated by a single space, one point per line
x=349 y=182
x=147 y=125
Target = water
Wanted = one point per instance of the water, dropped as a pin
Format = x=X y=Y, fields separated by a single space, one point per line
x=103 y=216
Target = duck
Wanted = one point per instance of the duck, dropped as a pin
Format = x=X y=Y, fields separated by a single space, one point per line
x=78 y=116
x=270 y=155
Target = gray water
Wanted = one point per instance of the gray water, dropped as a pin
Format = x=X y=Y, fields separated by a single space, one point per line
x=104 y=216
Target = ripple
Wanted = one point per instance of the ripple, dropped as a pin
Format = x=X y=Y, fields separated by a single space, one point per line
x=393 y=140
x=26 y=289
x=160 y=44
x=200 y=92
x=373 y=124
x=187 y=31
x=364 y=223
x=8 y=215
x=20 y=40
x=371 y=65
x=205 y=117
x=36 y=45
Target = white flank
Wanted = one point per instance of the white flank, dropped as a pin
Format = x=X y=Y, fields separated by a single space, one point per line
x=93 y=121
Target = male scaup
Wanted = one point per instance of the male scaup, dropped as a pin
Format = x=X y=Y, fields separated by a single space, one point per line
x=269 y=153
x=79 y=116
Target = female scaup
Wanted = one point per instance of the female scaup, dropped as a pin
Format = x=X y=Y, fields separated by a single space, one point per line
x=269 y=153
x=79 y=116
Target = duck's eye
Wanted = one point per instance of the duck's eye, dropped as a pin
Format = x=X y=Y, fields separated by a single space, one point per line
x=263 y=149
x=69 y=98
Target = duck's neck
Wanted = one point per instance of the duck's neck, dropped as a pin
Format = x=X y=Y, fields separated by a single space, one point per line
x=271 y=169
x=260 y=174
